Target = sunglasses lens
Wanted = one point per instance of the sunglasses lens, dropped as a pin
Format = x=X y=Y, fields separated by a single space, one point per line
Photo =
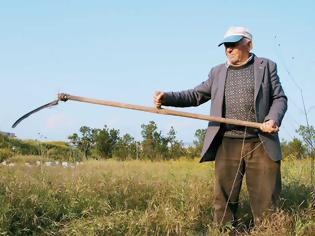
x=230 y=45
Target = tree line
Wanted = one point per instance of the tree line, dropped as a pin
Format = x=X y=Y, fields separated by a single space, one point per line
x=105 y=143
x=109 y=143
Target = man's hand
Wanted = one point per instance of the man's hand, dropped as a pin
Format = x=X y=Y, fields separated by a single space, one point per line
x=269 y=126
x=157 y=98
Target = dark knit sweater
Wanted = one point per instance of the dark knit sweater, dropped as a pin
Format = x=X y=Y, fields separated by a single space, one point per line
x=239 y=99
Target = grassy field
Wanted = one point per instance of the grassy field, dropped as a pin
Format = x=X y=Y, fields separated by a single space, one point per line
x=138 y=198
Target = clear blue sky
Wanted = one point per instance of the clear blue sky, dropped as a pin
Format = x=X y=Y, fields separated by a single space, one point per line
x=125 y=50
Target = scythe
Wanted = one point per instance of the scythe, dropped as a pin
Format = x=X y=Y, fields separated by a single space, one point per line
x=65 y=97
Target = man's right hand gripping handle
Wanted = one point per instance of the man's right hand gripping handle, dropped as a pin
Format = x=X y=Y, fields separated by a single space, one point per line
x=157 y=99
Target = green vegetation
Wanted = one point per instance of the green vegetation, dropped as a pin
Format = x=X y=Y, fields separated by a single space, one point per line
x=138 y=198
x=107 y=143
x=58 y=151
x=126 y=187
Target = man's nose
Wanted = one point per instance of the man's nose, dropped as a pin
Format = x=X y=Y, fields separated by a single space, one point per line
x=229 y=49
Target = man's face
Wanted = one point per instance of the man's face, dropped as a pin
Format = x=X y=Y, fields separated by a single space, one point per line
x=237 y=53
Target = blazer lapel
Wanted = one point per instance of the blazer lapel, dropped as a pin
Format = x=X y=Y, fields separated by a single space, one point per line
x=221 y=85
x=259 y=69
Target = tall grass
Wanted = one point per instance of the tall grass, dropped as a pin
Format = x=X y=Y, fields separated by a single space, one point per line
x=138 y=198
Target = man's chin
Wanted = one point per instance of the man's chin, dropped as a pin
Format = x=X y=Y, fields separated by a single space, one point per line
x=233 y=61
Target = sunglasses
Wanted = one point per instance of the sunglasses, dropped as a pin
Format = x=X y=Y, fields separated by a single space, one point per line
x=231 y=45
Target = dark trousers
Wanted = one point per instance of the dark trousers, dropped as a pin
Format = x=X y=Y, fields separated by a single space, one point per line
x=263 y=178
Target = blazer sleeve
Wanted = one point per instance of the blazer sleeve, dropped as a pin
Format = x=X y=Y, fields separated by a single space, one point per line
x=192 y=97
x=279 y=100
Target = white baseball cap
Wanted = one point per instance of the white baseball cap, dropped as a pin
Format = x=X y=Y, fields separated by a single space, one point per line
x=235 y=34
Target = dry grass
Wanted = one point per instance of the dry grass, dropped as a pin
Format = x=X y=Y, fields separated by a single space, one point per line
x=138 y=198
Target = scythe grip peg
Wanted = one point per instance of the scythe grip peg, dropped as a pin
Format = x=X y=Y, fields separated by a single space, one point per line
x=63 y=97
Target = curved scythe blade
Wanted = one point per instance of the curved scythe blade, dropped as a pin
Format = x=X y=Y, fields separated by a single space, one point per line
x=53 y=103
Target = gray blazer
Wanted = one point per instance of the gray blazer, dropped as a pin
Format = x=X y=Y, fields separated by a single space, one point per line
x=270 y=104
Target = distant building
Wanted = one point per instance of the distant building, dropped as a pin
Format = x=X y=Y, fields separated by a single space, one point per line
x=11 y=135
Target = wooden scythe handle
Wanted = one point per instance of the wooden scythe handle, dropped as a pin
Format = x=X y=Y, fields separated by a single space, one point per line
x=65 y=97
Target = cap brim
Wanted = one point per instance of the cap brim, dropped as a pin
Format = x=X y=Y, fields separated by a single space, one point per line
x=231 y=39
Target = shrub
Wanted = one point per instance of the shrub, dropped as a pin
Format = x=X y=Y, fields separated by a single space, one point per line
x=64 y=154
x=5 y=153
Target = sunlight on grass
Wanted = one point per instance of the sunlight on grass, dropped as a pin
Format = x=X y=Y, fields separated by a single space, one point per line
x=138 y=197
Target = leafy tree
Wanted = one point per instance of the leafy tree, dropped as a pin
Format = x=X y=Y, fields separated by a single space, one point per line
x=95 y=142
x=74 y=139
x=176 y=148
x=149 y=132
x=308 y=135
x=200 y=135
x=295 y=148
x=154 y=145
x=196 y=149
x=84 y=142
x=105 y=141
x=126 y=148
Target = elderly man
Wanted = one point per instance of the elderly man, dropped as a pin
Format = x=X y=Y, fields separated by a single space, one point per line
x=246 y=87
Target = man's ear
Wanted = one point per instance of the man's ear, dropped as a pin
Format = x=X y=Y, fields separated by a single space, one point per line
x=250 y=45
